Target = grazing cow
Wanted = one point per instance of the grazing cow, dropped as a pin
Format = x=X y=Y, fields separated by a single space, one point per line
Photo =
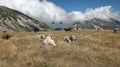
x=76 y=26
x=115 y=30
x=49 y=40
x=67 y=29
x=97 y=28
x=36 y=30
x=41 y=36
x=69 y=38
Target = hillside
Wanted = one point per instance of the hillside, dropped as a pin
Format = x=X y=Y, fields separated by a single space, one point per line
x=108 y=24
x=91 y=49
x=11 y=20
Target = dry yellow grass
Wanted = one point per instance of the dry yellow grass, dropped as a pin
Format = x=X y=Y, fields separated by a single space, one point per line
x=91 y=49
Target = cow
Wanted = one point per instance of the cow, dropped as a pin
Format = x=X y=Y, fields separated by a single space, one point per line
x=49 y=40
x=69 y=38
x=67 y=29
x=115 y=30
x=41 y=36
x=5 y=35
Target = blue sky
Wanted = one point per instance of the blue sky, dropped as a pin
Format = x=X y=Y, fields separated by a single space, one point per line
x=82 y=5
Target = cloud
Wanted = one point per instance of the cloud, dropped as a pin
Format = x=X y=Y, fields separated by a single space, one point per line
x=48 y=12
x=41 y=10
x=104 y=13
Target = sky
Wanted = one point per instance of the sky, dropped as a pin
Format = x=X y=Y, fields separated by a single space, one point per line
x=82 y=5
x=66 y=11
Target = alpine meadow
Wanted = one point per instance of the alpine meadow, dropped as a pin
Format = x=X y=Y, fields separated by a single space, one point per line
x=91 y=48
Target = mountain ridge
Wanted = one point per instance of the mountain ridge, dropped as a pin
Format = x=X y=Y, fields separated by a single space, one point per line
x=12 y=20
x=96 y=22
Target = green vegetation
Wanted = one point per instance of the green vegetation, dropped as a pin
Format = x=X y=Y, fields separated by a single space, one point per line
x=5 y=12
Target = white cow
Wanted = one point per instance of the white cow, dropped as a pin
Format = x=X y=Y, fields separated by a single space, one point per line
x=69 y=38
x=115 y=30
x=72 y=38
x=41 y=36
x=66 y=38
x=49 y=41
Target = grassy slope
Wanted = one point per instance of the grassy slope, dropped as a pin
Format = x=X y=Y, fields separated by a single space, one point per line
x=91 y=49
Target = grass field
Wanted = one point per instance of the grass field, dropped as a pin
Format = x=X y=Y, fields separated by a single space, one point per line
x=91 y=49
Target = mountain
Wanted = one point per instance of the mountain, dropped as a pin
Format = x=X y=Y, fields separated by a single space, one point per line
x=103 y=24
x=11 y=20
x=116 y=21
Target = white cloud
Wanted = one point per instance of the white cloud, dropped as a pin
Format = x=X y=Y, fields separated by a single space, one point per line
x=77 y=16
x=46 y=11
x=41 y=10
x=103 y=13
